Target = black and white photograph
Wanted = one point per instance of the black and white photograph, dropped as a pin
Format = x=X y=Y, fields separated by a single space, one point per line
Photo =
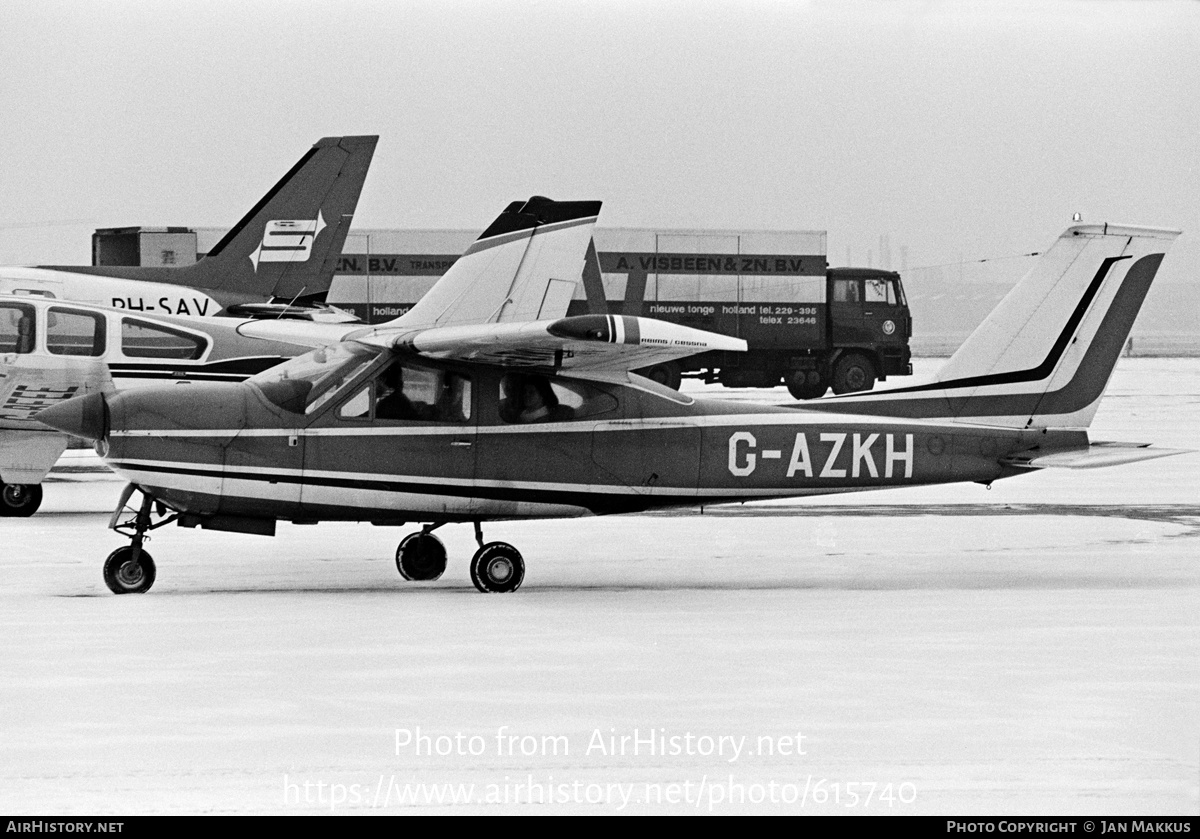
x=601 y=407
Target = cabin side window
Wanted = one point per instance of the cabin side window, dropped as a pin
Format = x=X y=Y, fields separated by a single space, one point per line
x=407 y=392
x=529 y=398
x=142 y=339
x=17 y=328
x=71 y=332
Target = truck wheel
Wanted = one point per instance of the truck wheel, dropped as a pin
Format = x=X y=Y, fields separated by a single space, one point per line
x=667 y=373
x=806 y=384
x=853 y=373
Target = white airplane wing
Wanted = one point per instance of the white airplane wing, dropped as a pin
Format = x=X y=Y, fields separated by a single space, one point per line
x=304 y=332
x=29 y=383
x=524 y=267
x=581 y=344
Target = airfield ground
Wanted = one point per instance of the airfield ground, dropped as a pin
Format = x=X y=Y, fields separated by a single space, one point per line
x=1032 y=649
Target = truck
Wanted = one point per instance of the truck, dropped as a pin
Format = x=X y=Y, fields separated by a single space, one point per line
x=808 y=326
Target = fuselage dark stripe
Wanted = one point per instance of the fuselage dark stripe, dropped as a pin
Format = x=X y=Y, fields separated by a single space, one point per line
x=595 y=501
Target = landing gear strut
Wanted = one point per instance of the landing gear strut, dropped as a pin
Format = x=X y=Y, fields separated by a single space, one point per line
x=130 y=570
x=497 y=567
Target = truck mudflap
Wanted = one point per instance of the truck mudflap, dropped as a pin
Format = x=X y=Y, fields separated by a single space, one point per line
x=898 y=363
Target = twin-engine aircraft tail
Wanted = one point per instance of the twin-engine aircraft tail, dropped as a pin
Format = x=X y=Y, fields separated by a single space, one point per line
x=1043 y=357
x=288 y=245
x=524 y=267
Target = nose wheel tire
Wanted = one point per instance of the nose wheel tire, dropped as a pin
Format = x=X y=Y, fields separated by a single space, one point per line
x=421 y=557
x=20 y=499
x=497 y=568
x=124 y=576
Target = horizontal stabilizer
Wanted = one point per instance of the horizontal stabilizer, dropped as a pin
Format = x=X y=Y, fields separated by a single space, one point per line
x=586 y=343
x=1089 y=457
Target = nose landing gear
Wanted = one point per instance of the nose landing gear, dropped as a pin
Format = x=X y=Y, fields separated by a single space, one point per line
x=130 y=570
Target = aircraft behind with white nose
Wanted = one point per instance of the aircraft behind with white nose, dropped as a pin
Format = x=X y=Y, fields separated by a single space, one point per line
x=485 y=402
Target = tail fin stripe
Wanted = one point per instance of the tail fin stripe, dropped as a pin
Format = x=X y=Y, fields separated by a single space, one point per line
x=266 y=199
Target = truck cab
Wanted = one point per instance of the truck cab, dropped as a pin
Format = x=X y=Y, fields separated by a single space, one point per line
x=869 y=325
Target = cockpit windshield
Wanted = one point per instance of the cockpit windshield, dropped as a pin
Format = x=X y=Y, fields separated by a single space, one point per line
x=303 y=384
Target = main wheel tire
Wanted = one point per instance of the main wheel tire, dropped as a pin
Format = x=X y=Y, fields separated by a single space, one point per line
x=421 y=557
x=20 y=499
x=497 y=568
x=667 y=374
x=853 y=373
x=122 y=576
x=806 y=384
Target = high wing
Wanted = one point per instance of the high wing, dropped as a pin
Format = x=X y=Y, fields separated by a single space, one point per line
x=582 y=344
x=525 y=266
x=304 y=332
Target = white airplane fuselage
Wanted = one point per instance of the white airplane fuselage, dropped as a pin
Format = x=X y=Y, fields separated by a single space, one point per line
x=130 y=295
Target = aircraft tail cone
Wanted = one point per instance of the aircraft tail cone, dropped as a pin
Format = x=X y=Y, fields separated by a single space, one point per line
x=83 y=416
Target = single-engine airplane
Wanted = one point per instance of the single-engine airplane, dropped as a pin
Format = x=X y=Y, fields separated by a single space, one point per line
x=485 y=403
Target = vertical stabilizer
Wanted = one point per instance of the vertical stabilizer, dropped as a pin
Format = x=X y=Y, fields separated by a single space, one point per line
x=288 y=245
x=1043 y=357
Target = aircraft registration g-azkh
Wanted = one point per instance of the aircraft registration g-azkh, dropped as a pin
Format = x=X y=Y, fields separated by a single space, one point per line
x=484 y=402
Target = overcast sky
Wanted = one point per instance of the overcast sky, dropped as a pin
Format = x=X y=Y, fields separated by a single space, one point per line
x=956 y=129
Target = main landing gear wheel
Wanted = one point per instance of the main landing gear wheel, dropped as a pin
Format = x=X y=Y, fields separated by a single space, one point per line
x=421 y=556
x=497 y=568
x=853 y=373
x=20 y=499
x=125 y=576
